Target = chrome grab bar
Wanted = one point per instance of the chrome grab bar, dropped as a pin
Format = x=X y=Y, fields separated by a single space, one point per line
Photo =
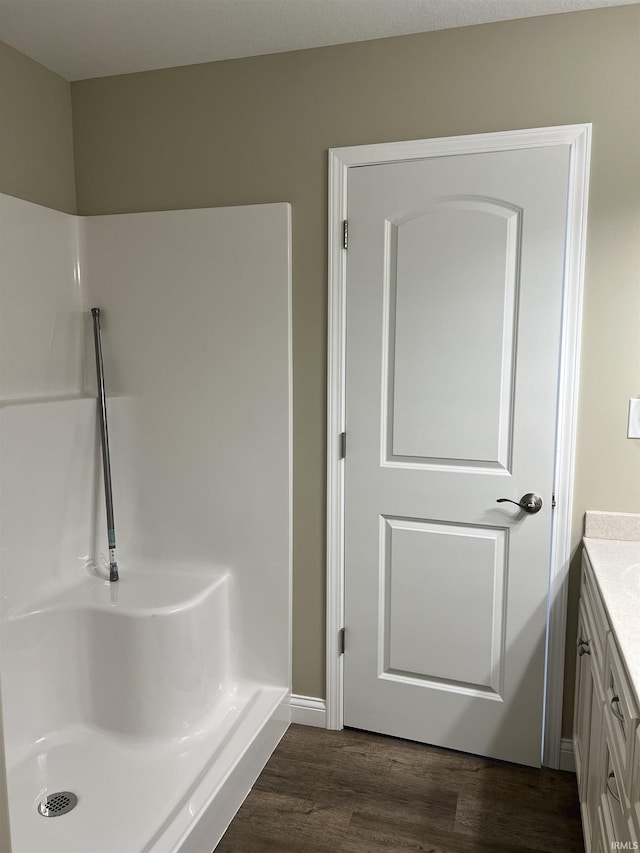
x=104 y=435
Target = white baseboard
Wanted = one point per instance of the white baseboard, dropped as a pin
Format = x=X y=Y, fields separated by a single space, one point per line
x=308 y=711
x=567 y=758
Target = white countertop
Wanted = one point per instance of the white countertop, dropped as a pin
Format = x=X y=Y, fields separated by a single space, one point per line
x=616 y=566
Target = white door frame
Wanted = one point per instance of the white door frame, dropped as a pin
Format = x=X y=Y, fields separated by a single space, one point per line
x=578 y=137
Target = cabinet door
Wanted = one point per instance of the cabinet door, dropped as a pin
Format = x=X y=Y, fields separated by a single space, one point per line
x=582 y=713
x=595 y=768
x=634 y=819
x=612 y=801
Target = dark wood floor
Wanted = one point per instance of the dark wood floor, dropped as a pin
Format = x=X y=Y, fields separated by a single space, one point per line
x=355 y=792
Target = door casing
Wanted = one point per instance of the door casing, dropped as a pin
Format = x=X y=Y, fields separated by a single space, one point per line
x=578 y=138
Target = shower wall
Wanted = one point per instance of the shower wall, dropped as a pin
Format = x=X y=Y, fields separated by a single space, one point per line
x=40 y=302
x=196 y=337
x=196 y=340
x=44 y=522
x=197 y=344
x=196 y=330
x=47 y=429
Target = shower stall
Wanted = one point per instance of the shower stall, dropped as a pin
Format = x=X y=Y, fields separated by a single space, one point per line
x=138 y=714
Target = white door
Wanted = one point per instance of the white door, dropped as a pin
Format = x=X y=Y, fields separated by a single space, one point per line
x=454 y=277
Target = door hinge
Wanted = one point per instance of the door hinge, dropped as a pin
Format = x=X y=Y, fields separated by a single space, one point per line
x=343 y=445
x=345 y=234
x=341 y=641
x=553 y=501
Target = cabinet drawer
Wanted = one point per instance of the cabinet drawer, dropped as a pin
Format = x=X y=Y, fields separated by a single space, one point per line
x=594 y=786
x=590 y=637
x=613 y=801
x=609 y=837
x=600 y=624
x=599 y=842
x=635 y=790
x=583 y=703
x=621 y=716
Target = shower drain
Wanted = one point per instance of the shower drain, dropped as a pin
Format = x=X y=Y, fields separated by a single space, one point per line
x=56 y=804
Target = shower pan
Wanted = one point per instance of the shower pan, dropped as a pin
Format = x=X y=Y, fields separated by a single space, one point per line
x=138 y=713
x=128 y=696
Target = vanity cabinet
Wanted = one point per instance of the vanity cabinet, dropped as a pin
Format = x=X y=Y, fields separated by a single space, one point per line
x=606 y=730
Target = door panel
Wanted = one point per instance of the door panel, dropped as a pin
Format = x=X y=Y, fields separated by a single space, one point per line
x=454 y=294
x=468 y=250
x=426 y=579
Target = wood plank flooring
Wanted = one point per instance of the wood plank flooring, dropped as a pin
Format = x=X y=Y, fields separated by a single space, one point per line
x=356 y=792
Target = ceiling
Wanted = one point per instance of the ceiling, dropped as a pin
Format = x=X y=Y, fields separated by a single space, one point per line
x=96 y=38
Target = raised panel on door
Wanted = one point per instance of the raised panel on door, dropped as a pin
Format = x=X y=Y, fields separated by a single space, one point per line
x=452 y=284
x=418 y=599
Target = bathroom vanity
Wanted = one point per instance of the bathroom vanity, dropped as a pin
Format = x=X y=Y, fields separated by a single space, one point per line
x=607 y=709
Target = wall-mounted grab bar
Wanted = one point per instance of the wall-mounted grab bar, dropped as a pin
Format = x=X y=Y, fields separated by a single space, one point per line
x=104 y=434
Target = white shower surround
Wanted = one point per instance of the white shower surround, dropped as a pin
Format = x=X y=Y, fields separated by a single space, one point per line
x=196 y=333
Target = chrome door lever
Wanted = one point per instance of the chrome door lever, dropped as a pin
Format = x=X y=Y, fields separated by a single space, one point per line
x=531 y=502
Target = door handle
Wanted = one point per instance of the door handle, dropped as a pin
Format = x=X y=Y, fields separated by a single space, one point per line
x=614 y=794
x=530 y=502
x=615 y=709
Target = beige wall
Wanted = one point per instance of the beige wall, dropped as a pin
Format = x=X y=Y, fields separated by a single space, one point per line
x=36 y=138
x=256 y=130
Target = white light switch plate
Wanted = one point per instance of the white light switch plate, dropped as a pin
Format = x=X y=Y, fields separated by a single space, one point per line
x=634 y=419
